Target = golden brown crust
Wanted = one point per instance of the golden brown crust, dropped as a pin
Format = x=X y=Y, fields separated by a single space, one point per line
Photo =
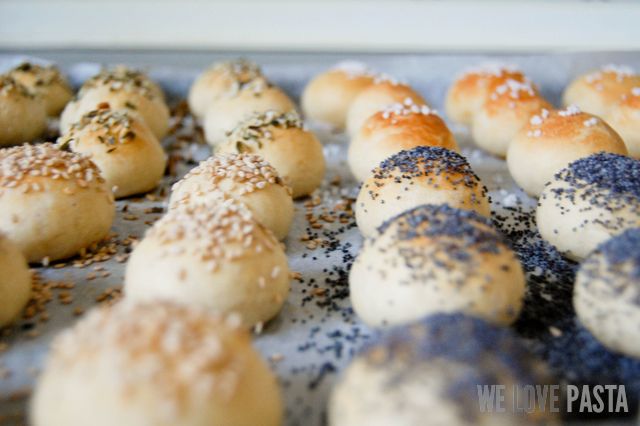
x=611 y=81
x=394 y=90
x=515 y=95
x=572 y=125
x=353 y=82
x=404 y=130
x=599 y=90
x=631 y=99
x=329 y=95
x=474 y=81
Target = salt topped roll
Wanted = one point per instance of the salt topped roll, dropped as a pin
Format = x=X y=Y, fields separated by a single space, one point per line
x=507 y=109
x=397 y=127
x=429 y=372
x=329 y=95
x=624 y=117
x=385 y=90
x=432 y=259
x=590 y=201
x=422 y=175
x=607 y=293
x=473 y=86
x=597 y=91
x=155 y=364
x=553 y=139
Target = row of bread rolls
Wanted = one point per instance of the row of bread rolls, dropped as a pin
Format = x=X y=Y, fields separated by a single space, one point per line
x=434 y=259
x=384 y=115
x=588 y=187
x=30 y=93
x=509 y=118
x=590 y=211
x=570 y=158
x=217 y=247
x=216 y=253
x=430 y=246
x=430 y=249
x=455 y=234
x=58 y=199
x=437 y=260
x=243 y=112
x=228 y=92
x=117 y=119
x=444 y=357
x=52 y=203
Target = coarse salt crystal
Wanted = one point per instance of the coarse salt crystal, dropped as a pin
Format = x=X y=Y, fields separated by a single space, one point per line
x=569 y=111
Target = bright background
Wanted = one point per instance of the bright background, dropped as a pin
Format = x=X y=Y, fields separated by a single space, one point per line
x=322 y=25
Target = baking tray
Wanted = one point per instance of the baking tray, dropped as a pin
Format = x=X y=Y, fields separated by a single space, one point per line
x=317 y=333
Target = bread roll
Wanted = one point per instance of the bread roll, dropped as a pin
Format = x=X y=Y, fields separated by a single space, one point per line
x=430 y=372
x=597 y=91
x=53 y=203
x=123 y=147
x=385 y=91
x=255 y=97
x=553 y=139
x=588 y=202
x=624 y=117
x=283 y=141
x=508 y=109
x=15 y=281
x=329 y=95
x=397 y=127
x=47 y=82
x=433 y=259
x=472 y=88
x=213 y=256
x=120 y=88
x=422 y=175
x=223 y=79
x=23 y=117
x=247 y=178
x=155 y=364
x=606 y=293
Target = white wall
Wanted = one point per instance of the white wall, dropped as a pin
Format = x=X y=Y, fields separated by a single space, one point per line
x=402 y=25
